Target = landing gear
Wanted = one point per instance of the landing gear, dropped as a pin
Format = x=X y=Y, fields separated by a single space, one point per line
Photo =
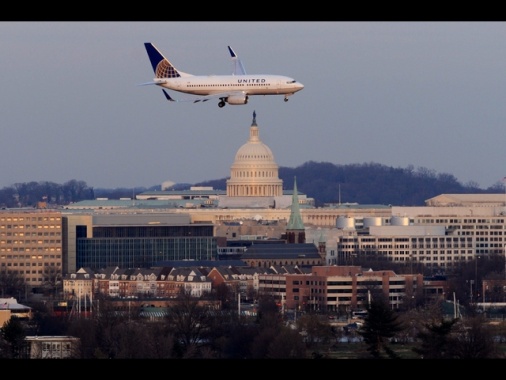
x=221 y=104
x=286 y=99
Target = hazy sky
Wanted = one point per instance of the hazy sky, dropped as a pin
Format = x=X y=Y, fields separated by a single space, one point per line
x=421 y=94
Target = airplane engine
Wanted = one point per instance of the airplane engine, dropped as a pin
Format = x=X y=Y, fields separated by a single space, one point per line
x=237 y=99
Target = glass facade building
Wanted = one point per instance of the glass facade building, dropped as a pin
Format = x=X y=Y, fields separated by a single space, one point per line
x=143 y=246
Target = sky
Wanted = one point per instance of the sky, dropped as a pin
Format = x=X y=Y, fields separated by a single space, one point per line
x=421 y=94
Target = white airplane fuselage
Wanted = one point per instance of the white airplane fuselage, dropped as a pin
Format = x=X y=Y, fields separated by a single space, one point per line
x=232 y=89
x=218 y=84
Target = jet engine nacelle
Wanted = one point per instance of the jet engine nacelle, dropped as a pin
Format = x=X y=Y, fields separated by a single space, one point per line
x=237 y=99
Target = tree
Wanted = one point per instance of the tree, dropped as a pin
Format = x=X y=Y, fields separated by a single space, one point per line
x=380 y=325
x=225 y=295
x=11 y=284
x=316 y=332
x=52 y=280
x=436 y=342
x=268 y=313
x=287 y=344
x=230 y=335
x=13 y=333
x=189 y=320
x=474 y=340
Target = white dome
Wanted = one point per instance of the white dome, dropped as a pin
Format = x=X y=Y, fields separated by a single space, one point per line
x=254 y=171
x=254 y=150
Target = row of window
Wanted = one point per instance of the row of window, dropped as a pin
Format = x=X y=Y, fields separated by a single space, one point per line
x=28 y=227
x=28 y=257
x=28 y=218
x=265 y=84
x=49 y=241
x=52 y=264
x=28 y=249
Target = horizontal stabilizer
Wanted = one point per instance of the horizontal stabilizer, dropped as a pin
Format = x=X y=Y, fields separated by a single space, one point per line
x=168 y=96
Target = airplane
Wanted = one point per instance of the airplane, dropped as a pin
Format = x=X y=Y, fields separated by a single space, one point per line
x=234 y=89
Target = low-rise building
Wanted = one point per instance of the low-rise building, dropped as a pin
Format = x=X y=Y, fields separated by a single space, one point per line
x=53 y=347
x=9 y=307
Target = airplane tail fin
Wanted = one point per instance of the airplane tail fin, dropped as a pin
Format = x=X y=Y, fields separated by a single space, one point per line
x=238 y=66
x=161 y=65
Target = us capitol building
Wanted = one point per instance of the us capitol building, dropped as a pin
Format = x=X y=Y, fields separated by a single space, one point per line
x=451 y=228
x=193 y=224
x=254 y=193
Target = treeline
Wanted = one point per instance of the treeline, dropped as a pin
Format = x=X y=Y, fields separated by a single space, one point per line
x=191 y=330
x=29 y=194
x=368 y=183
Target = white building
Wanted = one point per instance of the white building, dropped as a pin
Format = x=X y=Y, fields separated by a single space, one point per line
x=53 y=347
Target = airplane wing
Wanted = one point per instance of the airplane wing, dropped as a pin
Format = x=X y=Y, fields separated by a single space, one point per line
x=238 y=66
x=194 y=99
x=203 y=98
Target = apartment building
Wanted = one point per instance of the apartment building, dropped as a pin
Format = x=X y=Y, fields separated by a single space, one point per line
x=31 y=246
x=339 y=289
x=162 y=282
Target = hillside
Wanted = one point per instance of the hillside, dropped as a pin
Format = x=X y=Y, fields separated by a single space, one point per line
x=368 y=183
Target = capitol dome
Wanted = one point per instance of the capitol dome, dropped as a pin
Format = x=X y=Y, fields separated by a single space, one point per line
x=254 y=150
x=254 y=172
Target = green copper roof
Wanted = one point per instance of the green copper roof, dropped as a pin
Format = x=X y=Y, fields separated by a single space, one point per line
x=295 y=221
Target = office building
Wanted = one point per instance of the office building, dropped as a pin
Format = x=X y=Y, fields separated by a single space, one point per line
x=31 y=247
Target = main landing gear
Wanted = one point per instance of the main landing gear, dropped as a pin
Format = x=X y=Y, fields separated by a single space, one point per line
x=221 y=104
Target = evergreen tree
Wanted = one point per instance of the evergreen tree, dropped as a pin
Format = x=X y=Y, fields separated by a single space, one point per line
x=13 y=333
x=380 y=326
x=436 y=341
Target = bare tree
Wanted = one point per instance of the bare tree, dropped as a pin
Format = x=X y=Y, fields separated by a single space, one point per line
x=287 y=344
x=189 y=321
x=474 y=340
x=12 y=284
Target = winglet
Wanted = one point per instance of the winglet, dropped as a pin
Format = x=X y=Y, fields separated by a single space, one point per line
x=232 y=53
x=238 y=66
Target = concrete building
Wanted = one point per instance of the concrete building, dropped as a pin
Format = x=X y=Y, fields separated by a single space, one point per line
x=340 y=288
x=31 y=246
x=53 y=347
